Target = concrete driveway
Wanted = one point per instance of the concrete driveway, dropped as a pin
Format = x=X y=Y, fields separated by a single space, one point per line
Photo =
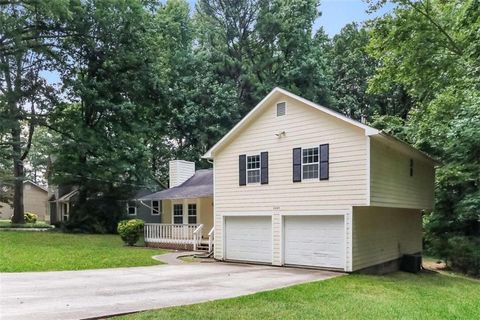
x=95 y=293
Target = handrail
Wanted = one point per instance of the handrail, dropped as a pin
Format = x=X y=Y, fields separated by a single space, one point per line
x=171 y=233
x=200 y=227
x=173 y=224
x=211 y=236
x=196 y=238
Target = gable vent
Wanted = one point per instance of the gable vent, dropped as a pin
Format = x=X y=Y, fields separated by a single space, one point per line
x=281 y=109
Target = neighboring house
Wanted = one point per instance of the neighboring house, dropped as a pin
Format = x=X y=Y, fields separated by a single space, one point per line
x=60 y=202
x=184 y=212
x=298 y=184
x=137 y=209
x=63 y=199
x=34 y=200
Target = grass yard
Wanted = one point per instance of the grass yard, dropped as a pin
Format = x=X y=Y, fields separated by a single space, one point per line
x=396 y=296
x=50 y=251
x=39 y=224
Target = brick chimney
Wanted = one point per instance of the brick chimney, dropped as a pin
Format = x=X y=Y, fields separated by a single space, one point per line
x=180 y=171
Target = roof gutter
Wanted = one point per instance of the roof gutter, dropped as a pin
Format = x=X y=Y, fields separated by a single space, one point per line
x=394 y=139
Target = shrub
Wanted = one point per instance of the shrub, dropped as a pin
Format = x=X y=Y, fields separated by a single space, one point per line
x=464 y=254
x=96 y=215
x=30 y=217
x=130 y=230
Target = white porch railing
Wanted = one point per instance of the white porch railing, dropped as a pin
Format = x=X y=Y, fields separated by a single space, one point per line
x=173 y=233
x=197 y=237
x=211 y=237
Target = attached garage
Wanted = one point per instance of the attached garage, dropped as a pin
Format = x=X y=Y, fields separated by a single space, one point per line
x=317 y=241
x=248 y=238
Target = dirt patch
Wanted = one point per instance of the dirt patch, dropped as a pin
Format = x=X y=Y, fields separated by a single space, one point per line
x=434 y=265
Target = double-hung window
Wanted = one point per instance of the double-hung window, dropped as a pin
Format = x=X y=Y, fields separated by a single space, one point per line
x=192 y=213
x=310 y=161
x=178 y=213
x=156 y=207
x=253 y=169
x=132 y=208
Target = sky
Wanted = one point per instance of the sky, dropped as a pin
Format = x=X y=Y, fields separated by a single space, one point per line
x=335 y=15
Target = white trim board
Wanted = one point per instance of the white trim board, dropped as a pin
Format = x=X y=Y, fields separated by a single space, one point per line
x=369 y=131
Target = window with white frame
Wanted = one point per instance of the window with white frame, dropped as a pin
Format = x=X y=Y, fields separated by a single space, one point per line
x=310 y=162
x=132 y=208
x=253 y=169
x=177 y=213
x=156 y=207
x=65 y=213
x=192 y=213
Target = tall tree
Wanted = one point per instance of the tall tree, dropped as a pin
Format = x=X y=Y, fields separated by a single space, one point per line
x=111 y=84
x=287 y=53
x=352 y=67
x=431 y=47
x=257 y=45
x=29 y=31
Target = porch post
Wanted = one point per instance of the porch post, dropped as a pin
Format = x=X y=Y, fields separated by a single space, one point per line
x=185 y=211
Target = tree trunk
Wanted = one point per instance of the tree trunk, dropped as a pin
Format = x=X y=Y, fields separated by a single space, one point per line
x=19 y=174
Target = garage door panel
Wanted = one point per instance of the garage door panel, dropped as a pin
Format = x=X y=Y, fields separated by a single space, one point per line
x=315 y=241
x=248 y=239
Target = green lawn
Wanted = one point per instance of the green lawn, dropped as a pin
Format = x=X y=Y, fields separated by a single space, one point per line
x=38 y=224
x=396 y=296
x=47 y=251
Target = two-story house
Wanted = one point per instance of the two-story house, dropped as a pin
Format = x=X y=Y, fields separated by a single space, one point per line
x=298 y=184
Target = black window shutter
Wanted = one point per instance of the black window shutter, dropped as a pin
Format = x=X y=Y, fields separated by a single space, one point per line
x=242 y=169
x=297 y=164
x=264 y=168
x=324 y=159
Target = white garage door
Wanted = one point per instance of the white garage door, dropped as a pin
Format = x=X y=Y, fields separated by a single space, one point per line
x=315 y=241
x=248 y=239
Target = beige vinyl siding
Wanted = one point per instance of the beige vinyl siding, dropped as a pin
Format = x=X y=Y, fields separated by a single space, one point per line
x=391 y=183
x=304 y=127
x=277 y=241
x=35 y=200
x=384 y=234
x=206 y=215
x=166 y=211
x=6 y=211
x=204 y=212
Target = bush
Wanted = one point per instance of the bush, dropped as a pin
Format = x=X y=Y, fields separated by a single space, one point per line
x=130 y=230
x=30 y=217
x=97 y=215
x=464 y=254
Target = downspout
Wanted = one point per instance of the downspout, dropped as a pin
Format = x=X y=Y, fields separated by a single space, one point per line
x=141 y=201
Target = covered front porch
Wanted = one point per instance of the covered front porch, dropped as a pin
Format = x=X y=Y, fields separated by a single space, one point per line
x=184 y=214
x=185 y=224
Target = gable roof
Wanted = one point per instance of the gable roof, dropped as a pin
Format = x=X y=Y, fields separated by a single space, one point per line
x=198 y=186
x=35 y=185
x=369 y=131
